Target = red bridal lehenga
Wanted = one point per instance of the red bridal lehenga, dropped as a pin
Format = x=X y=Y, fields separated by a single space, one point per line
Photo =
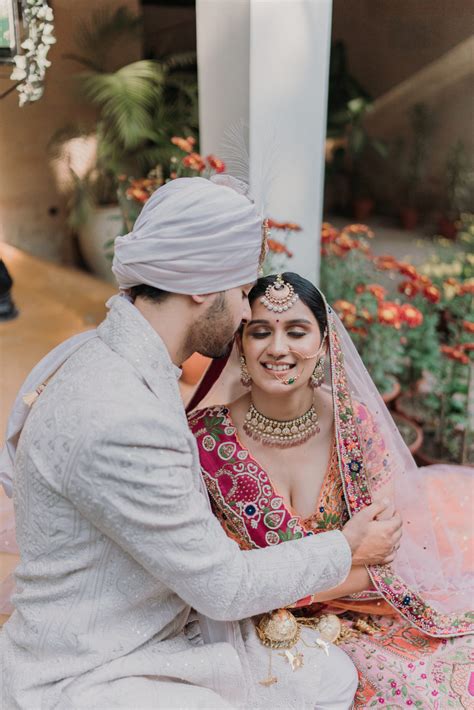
x=410 y=635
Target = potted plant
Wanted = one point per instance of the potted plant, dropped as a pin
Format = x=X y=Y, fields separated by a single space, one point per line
x=459 y=189
x=348 y=141
x=413 y=165
x=139 y=106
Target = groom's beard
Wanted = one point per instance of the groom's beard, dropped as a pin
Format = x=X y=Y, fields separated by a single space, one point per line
x=213 y=334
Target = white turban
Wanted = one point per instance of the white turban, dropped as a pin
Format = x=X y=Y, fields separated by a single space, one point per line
x=192 y=236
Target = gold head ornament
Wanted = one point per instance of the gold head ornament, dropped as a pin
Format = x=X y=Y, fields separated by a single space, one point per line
x=279 y=296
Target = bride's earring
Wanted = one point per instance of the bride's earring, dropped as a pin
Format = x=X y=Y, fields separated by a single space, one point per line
x=245 y=378
x=317 y=378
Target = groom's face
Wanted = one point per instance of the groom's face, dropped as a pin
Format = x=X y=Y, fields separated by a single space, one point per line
x=214 y=331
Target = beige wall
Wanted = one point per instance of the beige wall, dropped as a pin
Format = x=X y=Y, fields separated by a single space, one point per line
x=387 y=42
x=28 y=195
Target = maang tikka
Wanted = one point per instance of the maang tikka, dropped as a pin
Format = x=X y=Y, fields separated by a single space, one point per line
x=279 y=296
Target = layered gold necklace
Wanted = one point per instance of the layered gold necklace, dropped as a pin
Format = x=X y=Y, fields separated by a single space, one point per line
x=273 y=432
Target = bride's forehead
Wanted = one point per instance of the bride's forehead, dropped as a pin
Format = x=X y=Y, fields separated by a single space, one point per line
x=297 y=310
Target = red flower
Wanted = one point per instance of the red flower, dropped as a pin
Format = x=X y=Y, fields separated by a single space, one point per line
x=285 y=226
x=328 y=233
x=215 y=163
x=184 y=144
x=407 y=270
x=386 y=262
x=278 y=248
x=389 y=314
x=411 y=315
x=194 y=161
x=455 y=353
x=468 y=326
x=346 y=312
x=135 y=193
x=408 y=288
x=468 y=347
x=361 y=229
x=432 y=293
x=379 y=292
x=467 y=288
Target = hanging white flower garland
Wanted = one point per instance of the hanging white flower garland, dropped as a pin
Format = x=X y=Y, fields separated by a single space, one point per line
x=30 y=67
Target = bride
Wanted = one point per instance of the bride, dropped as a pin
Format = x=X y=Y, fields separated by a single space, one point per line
x=308 y=443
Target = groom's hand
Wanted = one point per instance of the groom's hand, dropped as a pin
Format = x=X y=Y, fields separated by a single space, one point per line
x=374 y=538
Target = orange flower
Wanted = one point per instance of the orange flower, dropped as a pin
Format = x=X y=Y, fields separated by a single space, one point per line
x=424 y=280
x=278 y=248
x=285 y=226
x=375 y=289
x=194 y=161
x=411 y=315
x=361 y=229
x=468 y=347
x=366 y=315
x=345 y=242
x=328 y=233
x=389 y=314
x=184 y=144
x=467 y=288
x=386 y=262
x=358 y=330
x=342 y=306
x=455 y=353
x=407 y=270
x=135 y=193
x=468 y=326
x=215 y=163
x=409 y=288
x=432 y=293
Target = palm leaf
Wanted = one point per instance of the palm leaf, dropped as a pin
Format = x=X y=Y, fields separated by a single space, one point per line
x=126 y=99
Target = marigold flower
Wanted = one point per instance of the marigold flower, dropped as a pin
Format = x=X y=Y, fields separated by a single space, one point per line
x=432 y=293
x=284 y=226
x=407 y=270
x=194 y=161
x=455 y=354
x=467 y=288
x=386 y=262
x=468 y=347
x=184 y=144
x=408 y=288
x=342 y=306
x=468 y=326
x=389 y=314
x=328 y=233
x=215 y=163
x=278 y=247
x=345 y=242
x=425 y=280
x=411 y=315
x=358 y=330
x=379 y=292
x=359 y=229
x=135 y=193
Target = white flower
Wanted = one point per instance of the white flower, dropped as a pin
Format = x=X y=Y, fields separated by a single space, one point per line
x=18 y=74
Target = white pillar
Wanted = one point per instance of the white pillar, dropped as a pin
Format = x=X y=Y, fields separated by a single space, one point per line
x=266 y=62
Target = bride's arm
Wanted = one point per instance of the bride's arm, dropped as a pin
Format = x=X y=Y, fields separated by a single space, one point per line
x=358 y=580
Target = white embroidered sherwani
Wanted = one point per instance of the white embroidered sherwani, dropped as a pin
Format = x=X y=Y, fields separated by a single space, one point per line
x=118 y=543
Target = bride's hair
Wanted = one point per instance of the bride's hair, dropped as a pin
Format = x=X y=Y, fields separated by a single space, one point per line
x=308 y=293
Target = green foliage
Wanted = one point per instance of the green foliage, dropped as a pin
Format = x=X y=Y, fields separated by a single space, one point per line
x=140 y=106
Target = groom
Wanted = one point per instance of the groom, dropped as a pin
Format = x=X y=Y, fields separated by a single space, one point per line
x=116 y=535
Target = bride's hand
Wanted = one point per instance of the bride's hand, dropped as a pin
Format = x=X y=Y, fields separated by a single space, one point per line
x=372 y=537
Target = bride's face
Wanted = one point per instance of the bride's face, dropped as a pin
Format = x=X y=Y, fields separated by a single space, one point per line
x=280 y=346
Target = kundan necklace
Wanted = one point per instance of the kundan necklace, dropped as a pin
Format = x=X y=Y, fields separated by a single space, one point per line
x=283 y=434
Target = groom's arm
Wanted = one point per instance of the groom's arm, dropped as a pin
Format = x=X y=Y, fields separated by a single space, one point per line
x=136 y=483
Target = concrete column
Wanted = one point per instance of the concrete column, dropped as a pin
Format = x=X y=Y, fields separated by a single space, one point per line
x=265 y=62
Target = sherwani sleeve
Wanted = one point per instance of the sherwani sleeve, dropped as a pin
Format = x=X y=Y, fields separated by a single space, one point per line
x=137 y=485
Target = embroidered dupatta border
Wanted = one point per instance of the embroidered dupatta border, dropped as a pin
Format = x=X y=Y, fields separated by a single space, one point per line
x=357 y=493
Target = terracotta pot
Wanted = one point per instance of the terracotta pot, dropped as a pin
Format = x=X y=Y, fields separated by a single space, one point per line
x=194 y=368
x=447 y=227
x=393 y=393
x=424 y=459
x=363 y=208
x=409 y=217
x=102 y=225
x=418 y=432
x=402 y=406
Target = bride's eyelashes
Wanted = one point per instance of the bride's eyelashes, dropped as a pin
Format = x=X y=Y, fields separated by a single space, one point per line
x=261 y=335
